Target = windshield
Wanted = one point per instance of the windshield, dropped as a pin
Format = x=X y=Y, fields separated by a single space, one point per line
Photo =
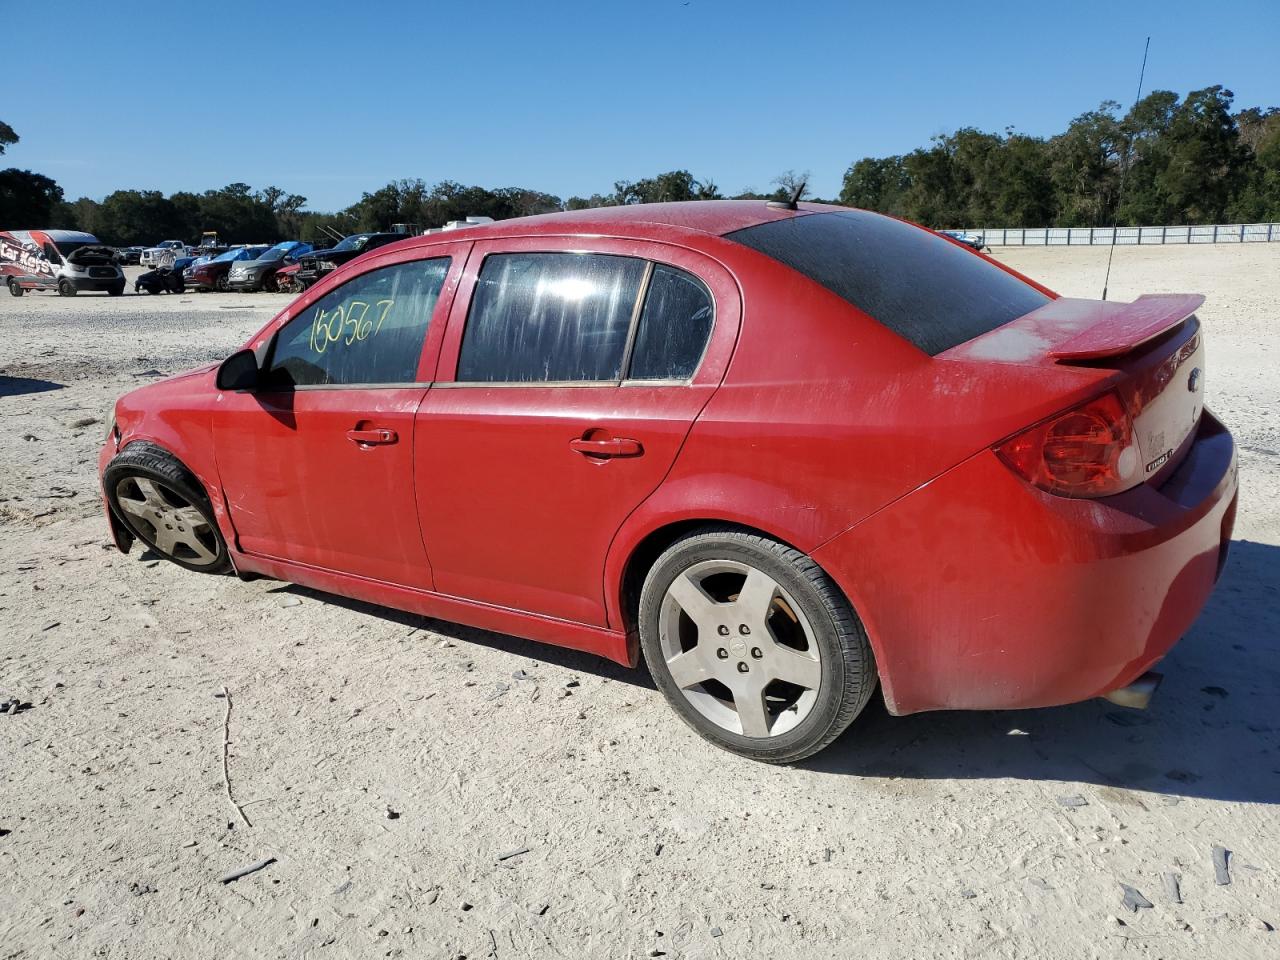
x=279 y=251
x=353 y=242
x=236 y=254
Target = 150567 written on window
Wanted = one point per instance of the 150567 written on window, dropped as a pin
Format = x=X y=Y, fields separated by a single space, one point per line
x=347 y=323
x=369 y=330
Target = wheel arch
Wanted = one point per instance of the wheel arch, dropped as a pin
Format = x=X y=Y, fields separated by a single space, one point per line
x=638 y=547
x=203 y=474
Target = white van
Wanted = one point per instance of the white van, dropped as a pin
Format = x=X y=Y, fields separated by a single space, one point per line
x=64 y=260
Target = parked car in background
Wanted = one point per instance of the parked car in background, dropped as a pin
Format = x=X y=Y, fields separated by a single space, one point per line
x=975 y=240
x=152 y=256
x=319 y=263
x=211 y=273
x=260 y=274
x=164 y=278
x=68 y=261
x=130 y=256
x=807 y=450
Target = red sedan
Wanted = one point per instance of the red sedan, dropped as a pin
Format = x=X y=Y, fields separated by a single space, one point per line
x=783 y=454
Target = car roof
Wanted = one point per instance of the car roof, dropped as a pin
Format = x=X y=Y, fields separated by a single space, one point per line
x=641 y=221
x=58 y=236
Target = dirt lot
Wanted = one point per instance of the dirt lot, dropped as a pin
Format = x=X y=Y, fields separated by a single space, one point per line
x=389 y=763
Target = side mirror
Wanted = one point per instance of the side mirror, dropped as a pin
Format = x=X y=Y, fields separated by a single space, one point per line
x=239 y=371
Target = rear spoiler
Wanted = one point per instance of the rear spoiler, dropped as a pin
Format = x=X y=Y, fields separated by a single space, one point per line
x=1112 y=329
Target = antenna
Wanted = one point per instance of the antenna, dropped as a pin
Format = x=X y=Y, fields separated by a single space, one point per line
x=1124 y=173
x=789 y=204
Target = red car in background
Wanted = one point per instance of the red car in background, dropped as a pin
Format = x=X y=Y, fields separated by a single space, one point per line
x=783 y=453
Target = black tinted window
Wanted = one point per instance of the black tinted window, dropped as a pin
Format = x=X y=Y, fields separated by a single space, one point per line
x=547 y=317
x=922 y=287
x=674 y=326
x=369 y=330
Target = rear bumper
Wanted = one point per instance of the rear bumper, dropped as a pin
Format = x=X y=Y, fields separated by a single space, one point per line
x=981 y=592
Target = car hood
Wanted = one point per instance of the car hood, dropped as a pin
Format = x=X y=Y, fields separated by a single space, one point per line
x=94 y=255
x=166 y=384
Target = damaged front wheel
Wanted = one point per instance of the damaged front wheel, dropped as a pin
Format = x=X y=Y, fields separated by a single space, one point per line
x=164 y=507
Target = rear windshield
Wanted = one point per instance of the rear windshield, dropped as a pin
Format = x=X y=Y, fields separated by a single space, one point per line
x=924 y=288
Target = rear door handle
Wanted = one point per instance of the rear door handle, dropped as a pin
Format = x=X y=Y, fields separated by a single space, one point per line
x=613 y=447
x=372 y=437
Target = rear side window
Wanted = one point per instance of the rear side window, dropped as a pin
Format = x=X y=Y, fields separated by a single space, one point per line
x=369 y=330
x=924 y=288
x=550 y=317
x=674 y=326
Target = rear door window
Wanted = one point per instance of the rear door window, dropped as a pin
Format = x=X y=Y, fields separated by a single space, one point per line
x=926 y=289
x=550 y=318
x=370 y=330
x=675 y=325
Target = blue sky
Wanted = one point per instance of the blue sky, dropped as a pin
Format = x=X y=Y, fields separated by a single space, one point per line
x=330 y=99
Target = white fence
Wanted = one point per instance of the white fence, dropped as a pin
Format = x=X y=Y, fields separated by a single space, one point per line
x=1105 y=236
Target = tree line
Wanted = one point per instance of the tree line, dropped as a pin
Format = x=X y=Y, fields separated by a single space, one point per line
x=1167 y=160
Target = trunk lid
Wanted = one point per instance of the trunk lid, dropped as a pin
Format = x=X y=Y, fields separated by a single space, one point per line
x=1154 y=346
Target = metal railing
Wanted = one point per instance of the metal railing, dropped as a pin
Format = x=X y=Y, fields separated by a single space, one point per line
x=1126 y=236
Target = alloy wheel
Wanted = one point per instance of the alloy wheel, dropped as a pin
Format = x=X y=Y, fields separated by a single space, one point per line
x=739 y=648
x=167 y=521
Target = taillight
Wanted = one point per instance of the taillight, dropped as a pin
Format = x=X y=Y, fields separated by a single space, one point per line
x=1088 y=451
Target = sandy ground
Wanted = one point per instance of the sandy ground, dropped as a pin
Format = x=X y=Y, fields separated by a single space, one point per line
x=389 y=763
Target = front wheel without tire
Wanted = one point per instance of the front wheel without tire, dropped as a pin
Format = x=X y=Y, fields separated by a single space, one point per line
x=165 y=507
x=754 y=645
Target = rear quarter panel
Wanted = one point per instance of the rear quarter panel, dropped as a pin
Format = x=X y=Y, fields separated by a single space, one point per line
x=825 y=417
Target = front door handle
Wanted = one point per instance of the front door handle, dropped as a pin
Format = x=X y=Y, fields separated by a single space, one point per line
x=613 y=447
x=372 y=437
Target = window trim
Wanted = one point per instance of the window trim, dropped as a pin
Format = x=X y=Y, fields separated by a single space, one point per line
x=637 y=312
x=269 y=358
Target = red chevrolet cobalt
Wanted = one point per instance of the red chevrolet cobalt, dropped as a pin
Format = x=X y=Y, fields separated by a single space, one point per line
x=782 y=453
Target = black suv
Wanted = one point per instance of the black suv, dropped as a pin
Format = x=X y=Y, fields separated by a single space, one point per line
x=319 y=263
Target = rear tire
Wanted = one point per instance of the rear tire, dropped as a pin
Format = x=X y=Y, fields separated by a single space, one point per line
x=221 y=284
x=15 y=288
x=116 y=291
x=164 y=506
x=772 y=663
x=66 y=288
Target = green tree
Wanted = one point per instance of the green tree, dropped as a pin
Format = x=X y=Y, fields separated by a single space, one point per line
x=1084 y=168
x=1258 y=197
x=1206 y=161
x=878 y=184
x=672 y=186
x=27 y=200
x=237 y=214
x=138 y=217
x=7 y=136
